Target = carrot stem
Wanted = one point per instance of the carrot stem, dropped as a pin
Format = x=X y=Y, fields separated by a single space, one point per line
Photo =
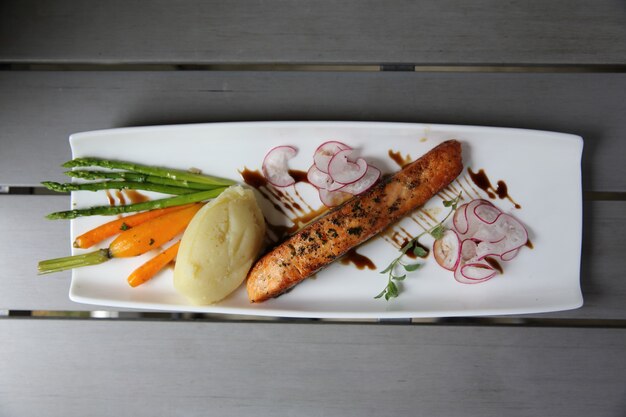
x=76 y=261
x=149 y=269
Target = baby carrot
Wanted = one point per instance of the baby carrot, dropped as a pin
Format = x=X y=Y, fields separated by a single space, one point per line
x=98 y=234
x=148 y=270
x=132 y=242
x=152 y=234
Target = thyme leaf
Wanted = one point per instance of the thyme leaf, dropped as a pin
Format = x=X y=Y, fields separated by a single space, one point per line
x=392 y=290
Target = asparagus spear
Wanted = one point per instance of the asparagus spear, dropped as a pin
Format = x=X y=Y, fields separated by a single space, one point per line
x=115 y=185
x=149 y=170
x=133 y=176
x=146 y=205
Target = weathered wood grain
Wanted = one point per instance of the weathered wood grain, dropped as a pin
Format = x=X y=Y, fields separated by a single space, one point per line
x=101 y=368
x=39 y=110
x=603 y=263
x=445 y=32
x=27 y=238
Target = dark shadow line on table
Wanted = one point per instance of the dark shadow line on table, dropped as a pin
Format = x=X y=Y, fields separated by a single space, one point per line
x=341 y=67
x=500 y=321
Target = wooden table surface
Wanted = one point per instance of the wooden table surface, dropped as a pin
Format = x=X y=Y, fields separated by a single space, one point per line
x=70 y=66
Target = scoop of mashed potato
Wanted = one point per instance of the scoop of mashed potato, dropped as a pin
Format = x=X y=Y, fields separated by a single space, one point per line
x=219 y=246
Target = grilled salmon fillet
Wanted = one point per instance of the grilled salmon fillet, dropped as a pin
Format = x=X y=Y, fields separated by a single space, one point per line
x=360 y=218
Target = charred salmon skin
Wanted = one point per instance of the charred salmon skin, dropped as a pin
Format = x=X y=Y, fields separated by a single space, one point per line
x=360 y=218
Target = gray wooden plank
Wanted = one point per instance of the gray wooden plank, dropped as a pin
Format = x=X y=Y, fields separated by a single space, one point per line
x=38 y=110
x=299 y=31
x=602 y=263
x=27 y=238
x=101 y=368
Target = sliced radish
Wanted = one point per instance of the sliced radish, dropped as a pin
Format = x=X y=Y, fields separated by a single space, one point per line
x=336 y=176
x=459 y=220
x=513 y=236
x=483 y=230
x=486 y=212
x=335 y=186
x=487 y=233
x=325 y=152
x=477 y=271
x=333 y=198
x=321 y=179
x=372 y=174
x=318 y=178
x=447 y=250
x=275 y=166
x=507 y=256
x=460 y=277
x=468 y=249
x=341 y=169
x=514 y=231
x=473 y=221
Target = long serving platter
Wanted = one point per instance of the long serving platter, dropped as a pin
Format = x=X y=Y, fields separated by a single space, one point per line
x=533 y=175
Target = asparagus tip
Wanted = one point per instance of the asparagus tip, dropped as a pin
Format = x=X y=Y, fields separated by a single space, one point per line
x=59 y=215
x=53 y=186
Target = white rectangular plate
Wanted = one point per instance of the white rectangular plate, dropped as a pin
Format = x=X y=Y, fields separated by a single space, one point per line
x=541 y=170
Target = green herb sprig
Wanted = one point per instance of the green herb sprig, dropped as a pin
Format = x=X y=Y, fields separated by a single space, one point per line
x=392 y=290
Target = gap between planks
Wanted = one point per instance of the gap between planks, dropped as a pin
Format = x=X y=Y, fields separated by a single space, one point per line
x=499 y=321
x=504 y=68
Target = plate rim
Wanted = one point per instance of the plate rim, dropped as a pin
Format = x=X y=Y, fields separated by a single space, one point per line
x=571 y=138
x=576 y=142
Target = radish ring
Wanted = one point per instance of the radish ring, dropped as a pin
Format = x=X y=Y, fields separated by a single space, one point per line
x=324 y=153
x=460 y=277
x=317 y=178
x=275 y=166
x=372 y=174
x=344 y=171
x=447 y=250
x=483 y=230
